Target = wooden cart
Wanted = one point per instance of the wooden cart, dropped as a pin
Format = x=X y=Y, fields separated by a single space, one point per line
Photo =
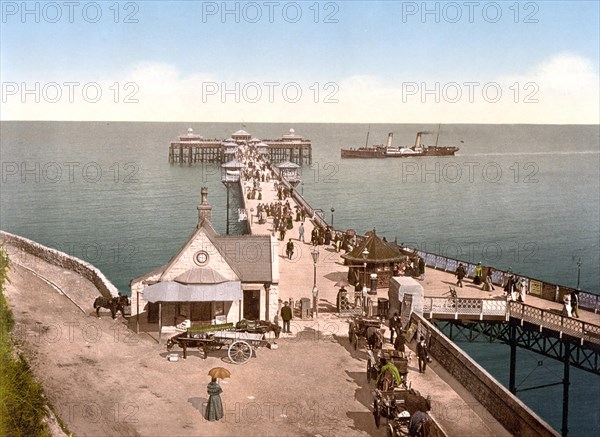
x=357 y=329
x=392 y=356
x=397 y=406
x=240 y=344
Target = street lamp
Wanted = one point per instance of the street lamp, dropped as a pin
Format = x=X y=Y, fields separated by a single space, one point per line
x=332 y=211
x=251 y=216
x=365 y=254
x=315 y=291
x=302 y=188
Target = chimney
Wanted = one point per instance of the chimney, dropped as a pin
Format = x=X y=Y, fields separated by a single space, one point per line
x=204 y=209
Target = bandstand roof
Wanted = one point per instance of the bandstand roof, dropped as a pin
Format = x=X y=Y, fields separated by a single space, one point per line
x=380 y=252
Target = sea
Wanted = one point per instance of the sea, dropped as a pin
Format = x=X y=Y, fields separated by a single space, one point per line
x=525 y=197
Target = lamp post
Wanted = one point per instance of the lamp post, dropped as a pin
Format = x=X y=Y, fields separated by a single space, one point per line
x=251 y=216
x=332 y=211
x=365 y=254
x=302 y=188
x=578 y=271
x=315 y=291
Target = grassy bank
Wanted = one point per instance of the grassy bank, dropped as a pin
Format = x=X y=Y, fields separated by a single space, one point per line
x=22 y=402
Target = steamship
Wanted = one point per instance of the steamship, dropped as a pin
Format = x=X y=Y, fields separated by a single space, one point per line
x=389 y=151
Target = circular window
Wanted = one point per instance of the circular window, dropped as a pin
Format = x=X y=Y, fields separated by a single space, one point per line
x=201 y=258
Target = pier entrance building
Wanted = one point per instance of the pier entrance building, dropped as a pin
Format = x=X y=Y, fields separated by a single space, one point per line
x=212 y=279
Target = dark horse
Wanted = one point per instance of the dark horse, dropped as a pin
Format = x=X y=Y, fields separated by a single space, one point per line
x=258 y=326
x=114 y=304
x=374 y=338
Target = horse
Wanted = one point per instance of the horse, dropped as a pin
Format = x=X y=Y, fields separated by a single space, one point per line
x=387 y=381
x=374 y=338
x=114 y=304
x=267 y=326
x=259 y=326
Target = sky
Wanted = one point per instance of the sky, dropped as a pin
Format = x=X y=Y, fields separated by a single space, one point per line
x=303 y=61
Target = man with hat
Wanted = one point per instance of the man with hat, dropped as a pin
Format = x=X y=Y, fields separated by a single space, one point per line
x=286 y=316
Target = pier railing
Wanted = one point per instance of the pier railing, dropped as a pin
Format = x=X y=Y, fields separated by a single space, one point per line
x=493 y=309
x=549 y=320
x=464 y=308
x=536 y=287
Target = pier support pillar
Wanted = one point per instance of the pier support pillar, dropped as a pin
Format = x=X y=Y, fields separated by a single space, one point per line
x=566 y=371
x=513 y=359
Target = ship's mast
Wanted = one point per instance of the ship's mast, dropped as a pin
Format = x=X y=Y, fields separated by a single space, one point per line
x=438 y=134
x=367 y=141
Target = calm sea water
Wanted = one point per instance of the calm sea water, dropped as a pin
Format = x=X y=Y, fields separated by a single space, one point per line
x=519 y=196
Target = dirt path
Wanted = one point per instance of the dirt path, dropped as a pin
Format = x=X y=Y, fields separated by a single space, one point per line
x=104 y=380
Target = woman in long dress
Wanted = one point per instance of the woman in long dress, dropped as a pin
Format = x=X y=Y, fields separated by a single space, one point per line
x=214 y=407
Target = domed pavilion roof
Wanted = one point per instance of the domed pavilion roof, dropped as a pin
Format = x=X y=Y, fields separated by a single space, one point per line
x=380 y=252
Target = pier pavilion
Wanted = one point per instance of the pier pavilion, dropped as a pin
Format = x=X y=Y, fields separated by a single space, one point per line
x=212 y=279
x=373 y=256
x=193 y=148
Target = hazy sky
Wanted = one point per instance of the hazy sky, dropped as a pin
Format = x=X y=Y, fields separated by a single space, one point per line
x=342 y=61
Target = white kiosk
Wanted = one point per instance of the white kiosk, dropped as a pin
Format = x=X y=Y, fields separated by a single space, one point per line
x=406 y=295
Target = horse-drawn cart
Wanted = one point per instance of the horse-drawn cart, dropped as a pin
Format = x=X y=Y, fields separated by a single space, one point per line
x=375 y=364
x=367 y=329
x=240 y=344
x=397 y=406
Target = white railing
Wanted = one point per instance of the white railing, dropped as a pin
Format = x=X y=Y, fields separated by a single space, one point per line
x=458 y=307
x=553 y=321
x=491 y=308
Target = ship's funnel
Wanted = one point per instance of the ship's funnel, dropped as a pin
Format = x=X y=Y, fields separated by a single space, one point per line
x=390 y=138
x=418 y=140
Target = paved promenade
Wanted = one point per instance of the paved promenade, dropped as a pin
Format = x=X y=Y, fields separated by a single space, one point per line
x=468 y=418
x=296 y=274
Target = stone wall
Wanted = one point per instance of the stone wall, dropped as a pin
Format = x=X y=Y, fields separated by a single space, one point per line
x=506 y=408
x=61 y=259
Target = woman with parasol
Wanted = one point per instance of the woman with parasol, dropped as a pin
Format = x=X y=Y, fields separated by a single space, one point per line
x=214 y=407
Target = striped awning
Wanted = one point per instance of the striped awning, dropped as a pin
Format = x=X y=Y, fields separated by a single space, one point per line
x=170 y=291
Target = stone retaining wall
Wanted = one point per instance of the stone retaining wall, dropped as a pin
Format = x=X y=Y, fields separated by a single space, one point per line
x=506 y=408
x=61 y=259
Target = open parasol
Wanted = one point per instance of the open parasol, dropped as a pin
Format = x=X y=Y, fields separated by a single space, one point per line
x=342 y=283
x=219 y=372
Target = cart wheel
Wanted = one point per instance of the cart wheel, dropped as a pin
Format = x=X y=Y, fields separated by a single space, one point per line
x=239 y=352
x=376 y=413
x=390 y=430
x=369 y=367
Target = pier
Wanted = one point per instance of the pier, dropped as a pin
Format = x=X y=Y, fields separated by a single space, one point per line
x=536 y=325
x=192 y=148
x=319 y=385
